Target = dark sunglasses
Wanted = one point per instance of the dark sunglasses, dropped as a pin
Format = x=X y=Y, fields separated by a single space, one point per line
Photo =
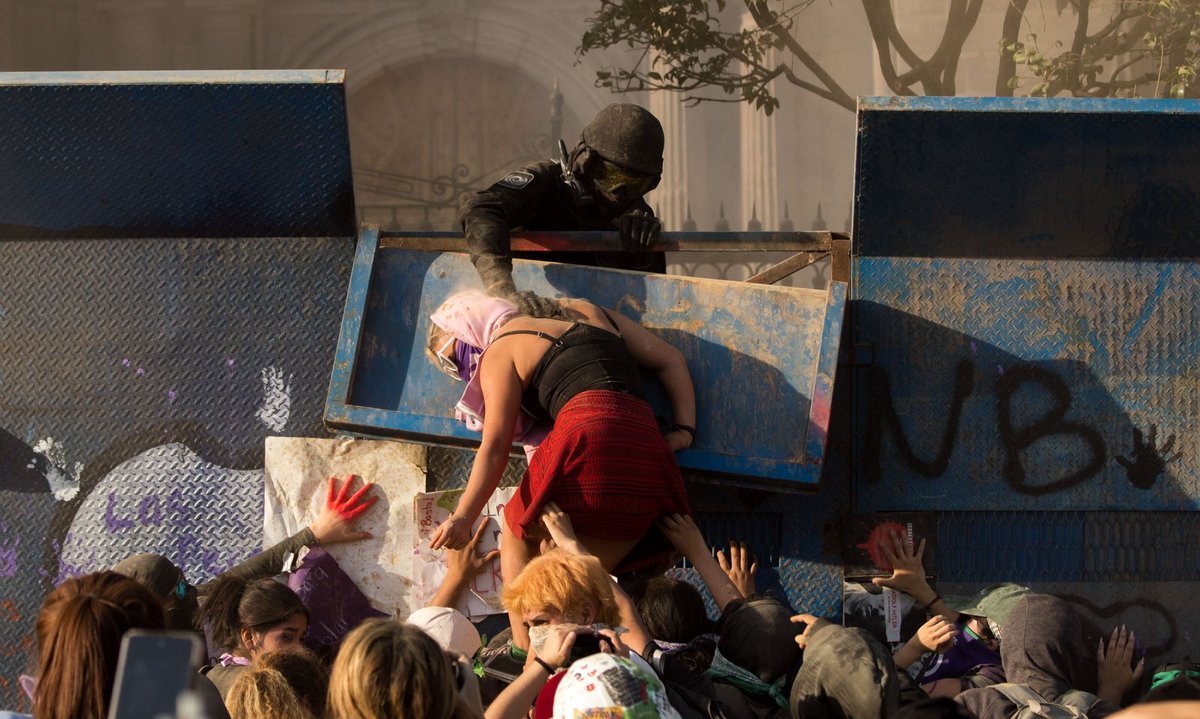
x=983 y=635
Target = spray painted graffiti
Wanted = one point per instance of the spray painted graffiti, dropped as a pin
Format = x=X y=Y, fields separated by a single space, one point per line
x=1148 y=461
x=276 y=406
x=1147 y=618
x=1052 y=423
x=1017 y=434
x=64 y=485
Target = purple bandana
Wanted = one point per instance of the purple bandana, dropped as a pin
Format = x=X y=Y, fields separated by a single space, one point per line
x=466 y=357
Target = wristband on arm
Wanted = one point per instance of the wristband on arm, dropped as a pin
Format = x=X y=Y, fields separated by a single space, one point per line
x=684 y=428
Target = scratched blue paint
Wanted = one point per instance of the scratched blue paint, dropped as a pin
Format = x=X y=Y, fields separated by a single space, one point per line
x=1151 y=303
x=756 y=354
x=1050 y=247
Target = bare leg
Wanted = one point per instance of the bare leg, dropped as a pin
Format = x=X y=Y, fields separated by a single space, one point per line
x=514 y=555
x=610 y=552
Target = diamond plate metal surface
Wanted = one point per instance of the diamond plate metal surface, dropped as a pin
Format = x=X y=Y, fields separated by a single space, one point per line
x=793 y=536
x=449 y=468
x=1105 y=547
x=212 y=159
x=167 y=500
x=1069 y=368
x=109 y=349
x=113 y=347
x=1141 y=547
x=1010 y=546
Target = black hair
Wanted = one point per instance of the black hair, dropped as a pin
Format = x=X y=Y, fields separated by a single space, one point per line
x=673 y=610
x=233 y=604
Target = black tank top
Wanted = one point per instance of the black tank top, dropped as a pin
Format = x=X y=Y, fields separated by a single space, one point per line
x=582 y=358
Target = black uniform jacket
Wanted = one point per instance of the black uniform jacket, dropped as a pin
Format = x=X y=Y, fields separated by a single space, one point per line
x=537 y=198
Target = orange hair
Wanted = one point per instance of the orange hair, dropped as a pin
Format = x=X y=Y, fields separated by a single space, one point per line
x=564 y=583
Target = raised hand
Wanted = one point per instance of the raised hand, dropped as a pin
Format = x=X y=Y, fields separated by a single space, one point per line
x=562 y=533
x=467 y=562
x=740 y=567
x=937 y=634
x=335 y=523
x=1115 y=671
x=682 y=532
x=809 y=621
x=908 y=573
x=454 y=533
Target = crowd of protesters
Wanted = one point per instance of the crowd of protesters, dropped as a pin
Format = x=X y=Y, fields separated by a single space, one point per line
x=600 y=628
x=603 y=648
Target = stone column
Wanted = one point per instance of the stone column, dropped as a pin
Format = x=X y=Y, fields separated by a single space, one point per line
x=759 y=153
x=670 y=198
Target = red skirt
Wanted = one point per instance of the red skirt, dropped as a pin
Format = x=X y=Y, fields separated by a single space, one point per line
x=607 y=465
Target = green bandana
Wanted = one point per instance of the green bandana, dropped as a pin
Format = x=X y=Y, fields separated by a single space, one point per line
x=747 y=681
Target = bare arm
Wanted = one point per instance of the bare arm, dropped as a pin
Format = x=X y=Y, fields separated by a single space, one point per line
x=908 y=575
x=462 y=566
x=656 y=354
x=559 y=525
x=502 y=397
x=935 y=635
x=682 y=531
x=517 y=698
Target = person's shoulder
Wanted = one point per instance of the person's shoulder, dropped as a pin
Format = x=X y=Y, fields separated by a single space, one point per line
x=529 y=177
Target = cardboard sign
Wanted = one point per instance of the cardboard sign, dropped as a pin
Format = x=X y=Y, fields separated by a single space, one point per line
x=429 y=566
x=297 y=475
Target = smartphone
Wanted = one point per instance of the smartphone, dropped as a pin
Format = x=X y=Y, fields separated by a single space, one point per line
x=585 y=645
x=154 y=668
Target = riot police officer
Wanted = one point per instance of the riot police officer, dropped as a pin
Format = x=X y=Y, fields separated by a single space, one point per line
x=598 y=185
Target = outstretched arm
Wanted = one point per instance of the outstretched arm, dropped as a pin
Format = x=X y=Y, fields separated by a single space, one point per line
x=935 y=635
x=334 y=525
x=563 y=533
x=502 y=397
x=682 y=531
x=656 y=354
x=516 y=699
x=462 y=566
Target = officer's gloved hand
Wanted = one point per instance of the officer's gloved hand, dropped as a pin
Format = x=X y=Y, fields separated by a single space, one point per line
x=534 y=305
x=639 y=229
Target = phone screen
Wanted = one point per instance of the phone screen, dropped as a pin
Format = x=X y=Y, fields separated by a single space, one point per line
x=153 y=670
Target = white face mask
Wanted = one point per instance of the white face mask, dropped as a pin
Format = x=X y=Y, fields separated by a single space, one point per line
x=28 y=685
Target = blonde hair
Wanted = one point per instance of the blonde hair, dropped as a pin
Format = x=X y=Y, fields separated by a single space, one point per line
x=264 y=693
x=304 y=673
x=564 y=583
x=434 y=341
x=389 y=670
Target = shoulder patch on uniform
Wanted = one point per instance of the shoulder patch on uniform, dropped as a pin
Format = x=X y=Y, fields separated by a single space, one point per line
x=516 y=180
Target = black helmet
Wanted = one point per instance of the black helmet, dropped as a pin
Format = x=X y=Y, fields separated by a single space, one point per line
x=627 y=135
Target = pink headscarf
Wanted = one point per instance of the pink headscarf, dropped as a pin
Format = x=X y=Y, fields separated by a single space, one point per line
x=476 y=318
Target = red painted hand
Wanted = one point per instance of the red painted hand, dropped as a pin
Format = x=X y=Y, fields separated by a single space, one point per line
x=335 y=524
